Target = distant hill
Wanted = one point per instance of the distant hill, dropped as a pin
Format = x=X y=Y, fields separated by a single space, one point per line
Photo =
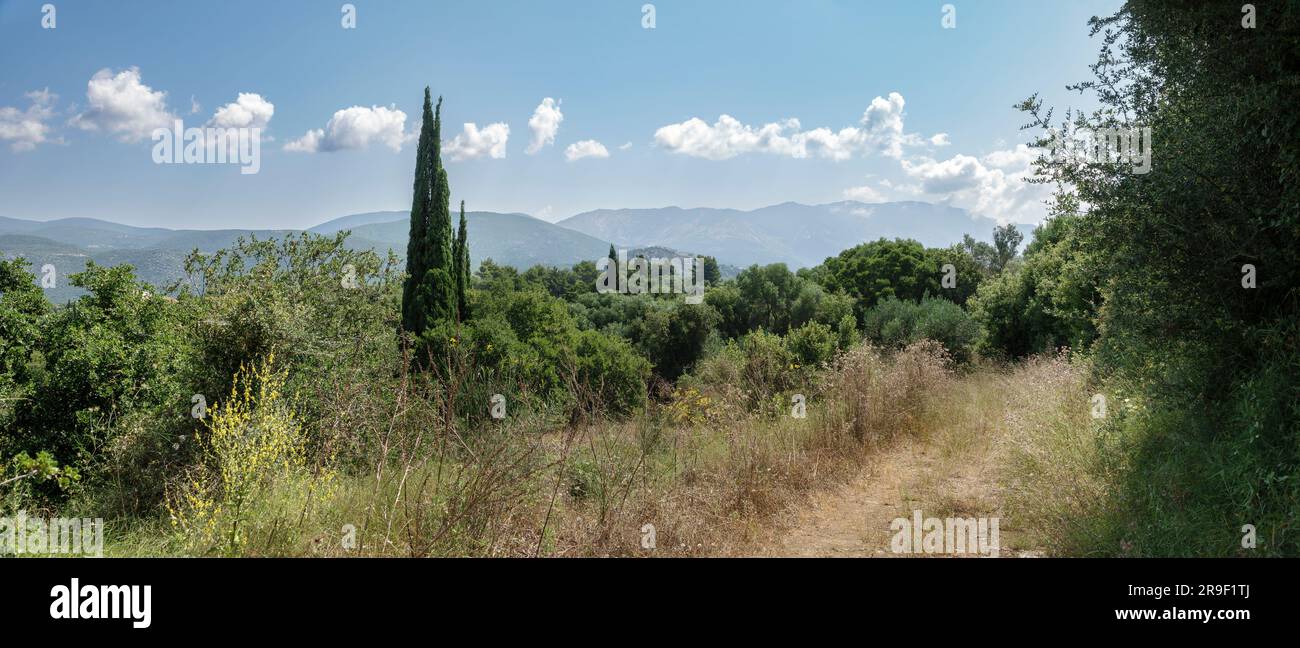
x=158 y=254
x=791 y=233
x=517 y=240
x=354 y=221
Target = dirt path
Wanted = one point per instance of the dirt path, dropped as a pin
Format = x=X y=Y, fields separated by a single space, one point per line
x=852 y=520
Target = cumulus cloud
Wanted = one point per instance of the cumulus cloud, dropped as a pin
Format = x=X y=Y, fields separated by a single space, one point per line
x=249 y=110
x=1019 y=157
x=865 y=193
x=544 y=123
x=585 y=149
x=120 y=104
x=993 y=186
x=883 y=121
x=490 y=141
x=880 y=130
x=24 y=129
x=352 y=128
x=939 y=139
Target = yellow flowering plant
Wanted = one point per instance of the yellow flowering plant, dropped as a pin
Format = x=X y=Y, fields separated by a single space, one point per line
x=256 y=475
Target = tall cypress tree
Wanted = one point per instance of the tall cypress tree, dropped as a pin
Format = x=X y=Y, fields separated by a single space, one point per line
x=413 y=308
x=461 y=254
x=429 y=293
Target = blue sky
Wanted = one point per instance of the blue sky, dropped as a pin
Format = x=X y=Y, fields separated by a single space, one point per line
x=907 y=110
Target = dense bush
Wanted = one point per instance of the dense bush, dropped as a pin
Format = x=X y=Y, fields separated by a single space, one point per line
x=103 y=372
x=897 y=324
x=535 y=339
x=1211 y=359
x=812 y=344
x=1048 y=302
x=774 y=299
x=257 y=479
x=22 y=307
x=672 y=335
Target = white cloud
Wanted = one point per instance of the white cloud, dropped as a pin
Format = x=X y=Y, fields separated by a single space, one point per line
x=912 y=189
x=26 y=128
x=881 y=130
x=308 y=143
x=122 y=105
x=865 y=193
x=940 y=139
x=585 y=149
x=883 y=121
x=476 y=143
x=625 y=146
x=354 y=128
x=992 y=186
x=249 y=110
x=544 y=123
x=1017 y=158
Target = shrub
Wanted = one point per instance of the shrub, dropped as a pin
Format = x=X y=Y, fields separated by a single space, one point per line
x=611 y=371
x=897 y=324
x=529 y=339
x=672 y=335
x=256 y=481
x=768 y=368
x=812 y=344
x=1047 y=303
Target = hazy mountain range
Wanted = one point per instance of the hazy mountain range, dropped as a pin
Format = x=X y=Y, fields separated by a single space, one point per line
x=792 y=233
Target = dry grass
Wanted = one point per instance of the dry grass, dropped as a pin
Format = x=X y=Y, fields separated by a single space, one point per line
x=711 y=477
x=712 y=474
x=1053 y=452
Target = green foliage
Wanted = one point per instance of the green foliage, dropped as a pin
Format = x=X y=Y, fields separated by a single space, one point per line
x=307 y=299
x=460 y=256
x=896 y=323
x=774 y=299
x=812 y=344
x=611 y=371
x=846 y=332
x=983 y=254
x=256 y=458
x=21 y=472
x=1049 y=302
x=22 y=309
x=533 y=337
x=873 y=271
x=969 y=274
x=429 y=293
x=1213 y=359
x=672 y=334
x=1006 y=240
x=113 y=353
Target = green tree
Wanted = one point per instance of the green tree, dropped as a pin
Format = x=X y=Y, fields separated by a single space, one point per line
x=879 y=269
x=429 y=292
x=1006 y=240
x=1176 y=233
x=1048 y=302
x=461 y=255
x=898 y=323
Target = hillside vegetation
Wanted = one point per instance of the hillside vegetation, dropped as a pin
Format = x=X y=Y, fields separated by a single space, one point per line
x=1132 y=372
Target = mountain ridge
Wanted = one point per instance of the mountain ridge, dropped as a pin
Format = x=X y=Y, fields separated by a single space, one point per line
x=793 y=233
